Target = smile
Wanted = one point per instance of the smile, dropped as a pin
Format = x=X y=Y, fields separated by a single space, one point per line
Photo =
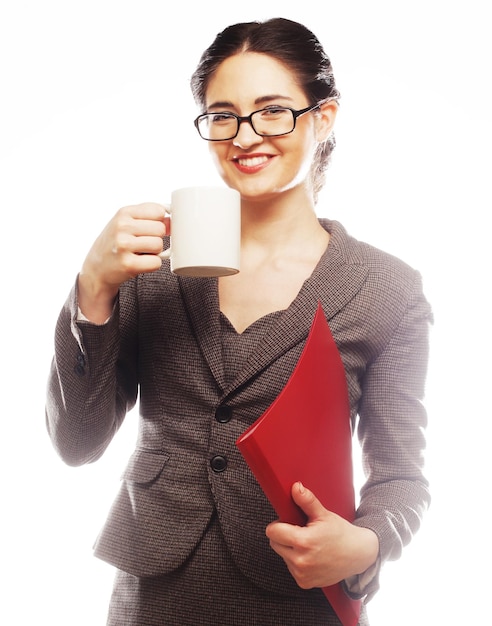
x=251 y=164
x=252 y=161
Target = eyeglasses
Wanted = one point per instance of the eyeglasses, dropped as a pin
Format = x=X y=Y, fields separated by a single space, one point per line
x=271 y=122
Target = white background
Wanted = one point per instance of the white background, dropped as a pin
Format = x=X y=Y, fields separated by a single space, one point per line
x=96 y=113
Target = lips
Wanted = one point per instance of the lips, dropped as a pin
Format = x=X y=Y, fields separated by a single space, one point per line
x=252 y=163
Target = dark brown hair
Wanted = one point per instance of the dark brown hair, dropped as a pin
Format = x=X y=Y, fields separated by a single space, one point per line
x=292 y=44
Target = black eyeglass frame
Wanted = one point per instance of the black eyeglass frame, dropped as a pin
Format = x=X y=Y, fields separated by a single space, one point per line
x=248 y=118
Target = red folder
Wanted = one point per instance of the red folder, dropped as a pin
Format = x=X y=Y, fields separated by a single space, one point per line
x=305 y=435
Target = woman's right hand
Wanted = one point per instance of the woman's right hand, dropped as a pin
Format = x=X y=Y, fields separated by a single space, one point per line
x=129 y=245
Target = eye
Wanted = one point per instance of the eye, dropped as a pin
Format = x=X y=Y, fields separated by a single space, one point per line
x=220 y=118
x=273 y=113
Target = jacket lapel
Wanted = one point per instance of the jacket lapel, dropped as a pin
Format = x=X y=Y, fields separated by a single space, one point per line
x=201 y=299
x=334 y=282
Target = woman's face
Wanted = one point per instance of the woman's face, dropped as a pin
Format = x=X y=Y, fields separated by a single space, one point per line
x=260 y=166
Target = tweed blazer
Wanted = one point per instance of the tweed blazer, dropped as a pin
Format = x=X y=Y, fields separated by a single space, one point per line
x=163 y=344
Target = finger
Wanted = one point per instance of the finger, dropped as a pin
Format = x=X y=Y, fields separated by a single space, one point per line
x=146 y=245
x=282 y=535
x=140 y=218
x=279 y=535
x=307 y=501
x=284 y=551
x=143 y=245
x=146 y=227
x=145 y=263
x=147 y=211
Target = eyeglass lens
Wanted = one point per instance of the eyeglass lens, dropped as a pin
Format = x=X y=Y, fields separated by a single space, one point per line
x=267 y=122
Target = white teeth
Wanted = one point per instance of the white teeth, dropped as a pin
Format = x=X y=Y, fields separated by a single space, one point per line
x=252 y=162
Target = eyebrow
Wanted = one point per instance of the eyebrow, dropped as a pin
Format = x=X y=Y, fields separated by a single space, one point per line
x=221 y=104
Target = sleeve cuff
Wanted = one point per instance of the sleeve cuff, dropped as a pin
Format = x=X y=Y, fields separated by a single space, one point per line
x=362 y=585
x=82 y=318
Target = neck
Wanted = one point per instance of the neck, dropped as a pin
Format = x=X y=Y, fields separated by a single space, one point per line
x=276 y=222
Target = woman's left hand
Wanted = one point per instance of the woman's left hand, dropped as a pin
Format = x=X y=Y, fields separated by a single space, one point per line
x=327 y=549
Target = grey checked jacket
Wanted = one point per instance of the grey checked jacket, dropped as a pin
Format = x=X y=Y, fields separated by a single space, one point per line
x=163 y=344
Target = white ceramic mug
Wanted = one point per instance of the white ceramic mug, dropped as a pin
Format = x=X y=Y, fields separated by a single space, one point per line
x=205 y=231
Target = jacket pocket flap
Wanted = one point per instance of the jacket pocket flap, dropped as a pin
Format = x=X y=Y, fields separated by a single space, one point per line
x=145 y=466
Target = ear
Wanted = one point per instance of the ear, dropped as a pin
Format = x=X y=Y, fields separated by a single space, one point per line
x=325 y=119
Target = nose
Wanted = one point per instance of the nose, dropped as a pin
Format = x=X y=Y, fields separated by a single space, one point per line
x=246 y=136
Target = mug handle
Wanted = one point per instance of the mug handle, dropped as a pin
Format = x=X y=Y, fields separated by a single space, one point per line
x=166 y=254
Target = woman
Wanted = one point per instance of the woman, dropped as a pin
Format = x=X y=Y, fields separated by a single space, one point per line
x=195 y=541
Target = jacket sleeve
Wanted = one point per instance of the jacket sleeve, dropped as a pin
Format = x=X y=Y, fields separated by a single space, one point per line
x=92 y=383
x=392 y=420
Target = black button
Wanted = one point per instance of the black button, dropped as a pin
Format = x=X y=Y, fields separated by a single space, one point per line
x=79 y=369
x=223 y=414
x=218 y=463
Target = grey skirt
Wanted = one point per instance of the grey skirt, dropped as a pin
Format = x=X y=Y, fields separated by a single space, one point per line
x=209 y=590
